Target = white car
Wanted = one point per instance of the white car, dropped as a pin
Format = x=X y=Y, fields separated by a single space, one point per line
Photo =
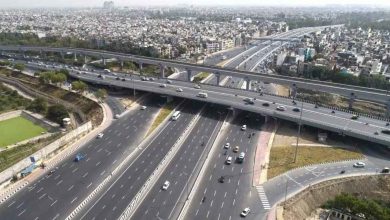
x=243 y=127
x=226 y=146
x=359 y=165
x=100 y=135
x=166 y=185
x=245 y=212
x=281 y=108
x=179 y=90
x=143 y=107
x=163 y=85
x=229 y=160
x=197 y=86
x=116 y=116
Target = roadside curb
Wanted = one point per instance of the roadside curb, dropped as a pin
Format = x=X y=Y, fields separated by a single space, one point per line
x=264 y=169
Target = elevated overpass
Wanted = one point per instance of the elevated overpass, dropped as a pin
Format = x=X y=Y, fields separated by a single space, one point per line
x=289 y=39
x=349 y=91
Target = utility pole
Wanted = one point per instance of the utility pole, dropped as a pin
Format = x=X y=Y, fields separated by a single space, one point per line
x=299 y=133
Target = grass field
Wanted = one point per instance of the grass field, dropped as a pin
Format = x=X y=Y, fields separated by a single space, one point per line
x=17 y=129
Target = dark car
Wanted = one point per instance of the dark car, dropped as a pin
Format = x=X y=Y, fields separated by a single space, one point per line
x=296 y=110
x=266 y=104
x=221 y=179
x=123 y=79
x=117 y=78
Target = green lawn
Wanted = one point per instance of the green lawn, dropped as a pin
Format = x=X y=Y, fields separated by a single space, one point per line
x=17 y=129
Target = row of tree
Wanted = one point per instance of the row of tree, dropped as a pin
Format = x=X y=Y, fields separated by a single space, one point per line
x=371 y=209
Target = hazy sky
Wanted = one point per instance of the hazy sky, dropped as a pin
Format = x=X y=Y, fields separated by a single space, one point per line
x=88 y=3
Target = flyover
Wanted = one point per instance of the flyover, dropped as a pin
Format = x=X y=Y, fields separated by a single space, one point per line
x=350 y=91
x=365 y=128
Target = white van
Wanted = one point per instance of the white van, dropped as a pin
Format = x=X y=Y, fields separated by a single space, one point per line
x=175 y=115
x=202 y=95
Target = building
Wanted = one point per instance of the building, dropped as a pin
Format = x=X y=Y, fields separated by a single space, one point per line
x=108 y=5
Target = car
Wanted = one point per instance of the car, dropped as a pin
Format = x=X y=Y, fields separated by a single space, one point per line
x=226 y=146
x=385 y=170
x=100 y=135
x=117 y=78
x=197 y=86
x=151 y=79
x=116 y=116
x=143 y=78
x=243 y=127
x=169 y=81
x=280 y=108
x=123 y=79
x=179 y=90
x=245 y=212
x=236 y=149
x=296 y=110
x=359 y=165
x=229 y=160
x=143 y=107
x=166 y=185
x=386 y=131
x=221 y=179
x=51 y=172
x=265 y=104
x=163 y=85
x=355 y=117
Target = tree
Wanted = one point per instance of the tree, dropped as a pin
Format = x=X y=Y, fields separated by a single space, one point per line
x=79 y=86
x=56 y=113
x=39 y=105
x=101 y=94
x=19 y=66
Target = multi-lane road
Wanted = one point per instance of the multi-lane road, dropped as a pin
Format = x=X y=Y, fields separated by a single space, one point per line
x=53 y=196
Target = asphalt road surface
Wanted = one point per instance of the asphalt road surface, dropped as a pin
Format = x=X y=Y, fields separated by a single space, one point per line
x=183 y=169
x=114 y=199
x=55 y=196
x=217 y=201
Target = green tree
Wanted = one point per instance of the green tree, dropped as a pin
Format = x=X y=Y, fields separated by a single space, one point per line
x=39 y=105
x=19 y=66
x=56 y=113
x=101 y=94
x=79 y=86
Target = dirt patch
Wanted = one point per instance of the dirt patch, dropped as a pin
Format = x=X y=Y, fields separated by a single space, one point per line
x=306 y=202
x=126 y=101
x=283 y=90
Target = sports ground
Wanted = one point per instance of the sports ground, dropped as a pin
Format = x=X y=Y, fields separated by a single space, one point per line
x=18 y=129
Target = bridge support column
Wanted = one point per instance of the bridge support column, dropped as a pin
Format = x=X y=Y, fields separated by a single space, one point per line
x=85 y=59
x=103 y=61
x=218 y=75
x=162 y=71
x=248 y=83
x=293 y=91
x=62 y=55
x=75 y=56
x=351 y=100
x=122 y=64
x=141 y=66
x=189 y=75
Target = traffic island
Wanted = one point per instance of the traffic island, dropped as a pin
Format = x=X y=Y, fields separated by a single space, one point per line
x=309 y=150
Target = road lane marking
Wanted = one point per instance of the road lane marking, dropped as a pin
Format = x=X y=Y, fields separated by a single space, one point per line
x=21 y=213
x=53 y=203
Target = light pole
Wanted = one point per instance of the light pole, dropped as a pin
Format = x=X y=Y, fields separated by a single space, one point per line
x=299 y=133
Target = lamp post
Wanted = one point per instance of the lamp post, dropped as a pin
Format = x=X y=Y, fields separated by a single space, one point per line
x=299 y=133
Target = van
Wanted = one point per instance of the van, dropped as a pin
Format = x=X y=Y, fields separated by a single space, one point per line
x=175 y=115
x=202 y=95
x=229 y=160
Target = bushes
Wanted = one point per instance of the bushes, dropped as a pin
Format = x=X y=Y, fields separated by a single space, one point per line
x=56 y=113
x=39 y=105
x=10 y=99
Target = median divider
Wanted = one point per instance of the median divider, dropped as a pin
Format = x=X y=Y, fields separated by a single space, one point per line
x=142 y=146
x=201 y=174
x=140 y=196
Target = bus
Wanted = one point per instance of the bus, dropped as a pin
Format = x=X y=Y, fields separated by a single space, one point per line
x=175 y=115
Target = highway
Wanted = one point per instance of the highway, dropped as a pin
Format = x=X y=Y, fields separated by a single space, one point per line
x=54 y=196
x=182 y=170
x=226 y=200
x=115 y=198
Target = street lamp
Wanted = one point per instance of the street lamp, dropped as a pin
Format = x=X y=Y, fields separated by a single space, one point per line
x=299 y=133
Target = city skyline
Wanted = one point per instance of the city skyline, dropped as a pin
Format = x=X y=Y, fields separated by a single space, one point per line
x=98 y=3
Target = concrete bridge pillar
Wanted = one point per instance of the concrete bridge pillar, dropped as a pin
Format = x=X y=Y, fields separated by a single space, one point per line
x=85 y=59
x=75 y=56
x=141 y=66
x=189 y=75
x=293 y=91
x=121 y=64
x=248 y=83
x=352 y=98
x=218 y=75
x=162 y=71
x=103 y=61
x=62 y=55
